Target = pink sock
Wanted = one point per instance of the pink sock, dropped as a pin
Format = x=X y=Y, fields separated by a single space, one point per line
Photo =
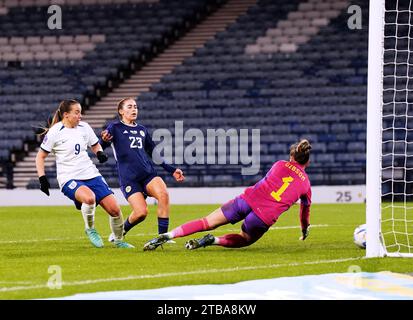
x=190 y=228
x=233 y=241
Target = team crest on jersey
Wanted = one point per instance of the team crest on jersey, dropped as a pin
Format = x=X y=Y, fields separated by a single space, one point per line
x=72 y=185
x=142 y=133
x=128 y=189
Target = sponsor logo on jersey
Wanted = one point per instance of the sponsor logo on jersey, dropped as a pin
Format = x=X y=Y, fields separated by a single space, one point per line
x=45 y=139
x=126 y=131
x=60 y=142
x=142 y=133
x=72 y=185
x=128 y=189
x=133 y=131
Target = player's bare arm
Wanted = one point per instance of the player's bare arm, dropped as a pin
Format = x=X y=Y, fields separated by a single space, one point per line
x=44 y=183
x=40 y=159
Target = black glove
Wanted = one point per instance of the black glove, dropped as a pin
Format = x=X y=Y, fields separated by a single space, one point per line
x=305 y=233
x=44 y=185
x=102 y=157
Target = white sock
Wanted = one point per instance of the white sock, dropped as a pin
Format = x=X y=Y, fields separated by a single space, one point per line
x=88 y=213
x=116 y=225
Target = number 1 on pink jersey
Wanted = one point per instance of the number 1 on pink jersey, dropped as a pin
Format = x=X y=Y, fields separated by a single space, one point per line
x=286 y=183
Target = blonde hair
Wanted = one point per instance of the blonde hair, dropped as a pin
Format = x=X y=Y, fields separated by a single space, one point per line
x=300 y=151
x=64 y=106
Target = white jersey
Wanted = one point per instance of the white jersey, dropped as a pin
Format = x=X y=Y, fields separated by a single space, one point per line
x=70 y=147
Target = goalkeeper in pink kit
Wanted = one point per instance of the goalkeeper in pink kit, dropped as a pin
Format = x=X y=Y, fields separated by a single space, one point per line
x=259 y=206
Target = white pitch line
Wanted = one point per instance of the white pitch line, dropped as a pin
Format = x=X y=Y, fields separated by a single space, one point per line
x=36 y=240
x=17 y=282
x=174 y=274
x=151 y=234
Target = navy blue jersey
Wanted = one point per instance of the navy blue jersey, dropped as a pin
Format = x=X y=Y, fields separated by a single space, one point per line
x=133 y=148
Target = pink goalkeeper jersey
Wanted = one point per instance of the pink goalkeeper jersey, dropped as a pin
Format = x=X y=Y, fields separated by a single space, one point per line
x=274 y=194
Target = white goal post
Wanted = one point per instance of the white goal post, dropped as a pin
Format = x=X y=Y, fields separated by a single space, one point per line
x=389 y=170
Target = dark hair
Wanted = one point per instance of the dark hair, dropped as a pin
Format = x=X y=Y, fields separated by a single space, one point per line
x=300 y=151
x=122 y=102
x=64 y=106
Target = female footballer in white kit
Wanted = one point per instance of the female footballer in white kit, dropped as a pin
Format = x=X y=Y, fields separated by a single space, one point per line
x=68 y=139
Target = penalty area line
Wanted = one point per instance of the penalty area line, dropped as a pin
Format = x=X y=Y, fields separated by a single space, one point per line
x=176 y=274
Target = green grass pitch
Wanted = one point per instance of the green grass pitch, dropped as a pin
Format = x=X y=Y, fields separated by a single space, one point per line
x=34 y=239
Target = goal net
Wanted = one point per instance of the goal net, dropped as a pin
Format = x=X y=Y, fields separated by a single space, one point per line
x=390 y=129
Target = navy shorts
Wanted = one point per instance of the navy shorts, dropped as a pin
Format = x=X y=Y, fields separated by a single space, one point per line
x=238 y=209
x=98 y=185
x=130 y=187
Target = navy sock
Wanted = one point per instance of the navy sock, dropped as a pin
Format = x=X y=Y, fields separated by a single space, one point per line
x=163 y=224
x=127 y=225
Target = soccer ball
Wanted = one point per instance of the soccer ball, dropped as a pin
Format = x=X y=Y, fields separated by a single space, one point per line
x=359 y=236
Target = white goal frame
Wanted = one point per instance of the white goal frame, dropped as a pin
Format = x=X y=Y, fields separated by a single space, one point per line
x=374 y=241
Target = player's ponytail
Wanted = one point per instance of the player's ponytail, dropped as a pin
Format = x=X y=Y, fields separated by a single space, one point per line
x=300 y=151
x=64 y=106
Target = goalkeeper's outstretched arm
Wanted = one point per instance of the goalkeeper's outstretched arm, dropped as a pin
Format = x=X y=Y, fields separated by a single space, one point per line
x=305 y=215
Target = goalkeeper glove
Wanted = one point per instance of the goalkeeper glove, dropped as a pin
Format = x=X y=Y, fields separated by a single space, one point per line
x=102 y=157
x=305 y=233
x=44 y=185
